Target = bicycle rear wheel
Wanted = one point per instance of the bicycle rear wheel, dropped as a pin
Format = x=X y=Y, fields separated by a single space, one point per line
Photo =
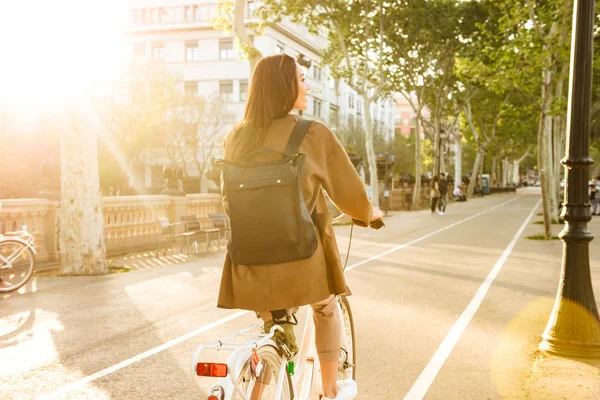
x=20 y=266
x=272 y=363
x=347 y=365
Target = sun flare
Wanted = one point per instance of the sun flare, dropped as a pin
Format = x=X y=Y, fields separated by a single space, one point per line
x=56 y=51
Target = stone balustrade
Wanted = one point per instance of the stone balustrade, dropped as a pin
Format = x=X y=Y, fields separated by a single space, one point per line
x=130 y=222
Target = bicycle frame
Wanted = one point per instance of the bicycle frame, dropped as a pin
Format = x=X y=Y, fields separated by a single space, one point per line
x=304 y=368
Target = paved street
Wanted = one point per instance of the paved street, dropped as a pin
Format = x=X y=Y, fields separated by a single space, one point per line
x=405 y=304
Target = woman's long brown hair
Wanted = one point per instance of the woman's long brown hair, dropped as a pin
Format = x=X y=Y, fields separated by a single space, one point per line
x=273 y=93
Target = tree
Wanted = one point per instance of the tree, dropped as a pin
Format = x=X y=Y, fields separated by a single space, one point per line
x=232 y=16
x=82 y=246
x=426 y=39
x=523 y=46
x=356 y=50
x=150 y=115
x=194 y=126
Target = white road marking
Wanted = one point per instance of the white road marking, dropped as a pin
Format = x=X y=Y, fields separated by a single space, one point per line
x=81 y=382
x=100 y=374
x=425 y=380
x=399 y=247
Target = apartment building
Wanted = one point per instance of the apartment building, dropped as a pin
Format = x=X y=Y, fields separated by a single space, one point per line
x=179 y=36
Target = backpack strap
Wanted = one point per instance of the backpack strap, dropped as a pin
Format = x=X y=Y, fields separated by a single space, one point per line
x=297 y=135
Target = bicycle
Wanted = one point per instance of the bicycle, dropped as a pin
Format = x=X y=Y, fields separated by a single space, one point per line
x=17 y=259
x=260 y=357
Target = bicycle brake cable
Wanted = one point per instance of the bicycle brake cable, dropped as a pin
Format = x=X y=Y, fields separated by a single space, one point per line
x=349 y=243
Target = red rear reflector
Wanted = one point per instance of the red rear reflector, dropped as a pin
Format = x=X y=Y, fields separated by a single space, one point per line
x=213 y=398
x=211 y=369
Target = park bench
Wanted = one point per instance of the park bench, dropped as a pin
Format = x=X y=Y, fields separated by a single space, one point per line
x=193 y=229
x=221 y=221
x=168 y=235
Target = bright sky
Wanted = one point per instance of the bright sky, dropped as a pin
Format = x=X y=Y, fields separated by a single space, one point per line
x=54 y=51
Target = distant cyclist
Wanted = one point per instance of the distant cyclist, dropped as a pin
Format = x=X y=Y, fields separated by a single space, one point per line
x=277 y=88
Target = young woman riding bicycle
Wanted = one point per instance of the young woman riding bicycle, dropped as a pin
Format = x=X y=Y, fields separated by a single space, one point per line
x=277 y=88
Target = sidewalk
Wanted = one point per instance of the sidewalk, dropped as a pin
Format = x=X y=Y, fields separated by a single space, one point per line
x=521 y=370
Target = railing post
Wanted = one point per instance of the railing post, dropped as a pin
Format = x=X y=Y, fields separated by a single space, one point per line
x=178 y=208
x=50 y=231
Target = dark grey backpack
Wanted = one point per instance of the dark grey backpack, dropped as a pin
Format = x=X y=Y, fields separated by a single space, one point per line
x=270 y=222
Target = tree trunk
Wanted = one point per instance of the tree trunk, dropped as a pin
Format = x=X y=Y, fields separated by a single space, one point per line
x=477 y=165
x=241 y=32
x=505 y=172
x=458 y=160
x=417 y=188
x=82 y=248
x=494 y=177
x=516 y=177
x=542 y=167
x=436 y=147
x=370 y=151
x=548 y=149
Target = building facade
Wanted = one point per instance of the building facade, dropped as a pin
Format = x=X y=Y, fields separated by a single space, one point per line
x=179 y=36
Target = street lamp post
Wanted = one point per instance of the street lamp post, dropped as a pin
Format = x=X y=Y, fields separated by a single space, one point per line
x=574 y=325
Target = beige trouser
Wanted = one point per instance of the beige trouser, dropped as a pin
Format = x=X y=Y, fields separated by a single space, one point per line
x=328 y=328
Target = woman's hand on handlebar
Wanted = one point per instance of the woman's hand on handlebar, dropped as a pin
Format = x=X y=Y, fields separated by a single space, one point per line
x=377 y=219
x=377 y=214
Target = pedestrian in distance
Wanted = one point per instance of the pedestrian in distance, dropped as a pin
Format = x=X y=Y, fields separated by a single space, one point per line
x=434 y=192
x=594 y=197
x=596 y=202
x=458 y=194
x=267 y=131
x=443 y=185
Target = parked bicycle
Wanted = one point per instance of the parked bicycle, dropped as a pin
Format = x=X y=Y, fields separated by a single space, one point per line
x=17 y=259
x=262 y=368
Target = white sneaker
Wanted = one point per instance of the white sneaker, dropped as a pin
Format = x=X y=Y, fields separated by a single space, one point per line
x=439 y=213
x=347 y=390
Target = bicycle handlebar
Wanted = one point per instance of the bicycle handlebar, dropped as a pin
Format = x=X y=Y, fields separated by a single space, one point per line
x=377 y=224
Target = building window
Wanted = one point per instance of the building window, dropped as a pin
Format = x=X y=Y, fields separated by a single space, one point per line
x=179 y=14
x=192 y=52
x=226 y=51
x=280 y=48
x=251 y=8
x=317 y=73
x=158 y=51
x=333 y=115
x=316 y=107
x=201 y=13
x=142 y=16
x=359 y=106
x=155 y=12
x=334 y=83
x=191 y=88
x=166 y=15
x=350 y=101
x=226 y=91
x=189 y=13
x=139 y=49
x=243 y=90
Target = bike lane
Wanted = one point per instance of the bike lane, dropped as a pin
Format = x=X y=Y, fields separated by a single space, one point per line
x=406 y=302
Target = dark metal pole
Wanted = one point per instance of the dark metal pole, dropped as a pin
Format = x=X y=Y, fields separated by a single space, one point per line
x=574 y=325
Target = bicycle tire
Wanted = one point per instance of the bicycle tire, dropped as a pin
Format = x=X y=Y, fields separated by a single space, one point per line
x=270 y=358
x=347 y=367
x=27 y=269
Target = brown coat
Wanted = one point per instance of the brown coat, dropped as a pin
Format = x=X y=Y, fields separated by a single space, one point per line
x=297 y=283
